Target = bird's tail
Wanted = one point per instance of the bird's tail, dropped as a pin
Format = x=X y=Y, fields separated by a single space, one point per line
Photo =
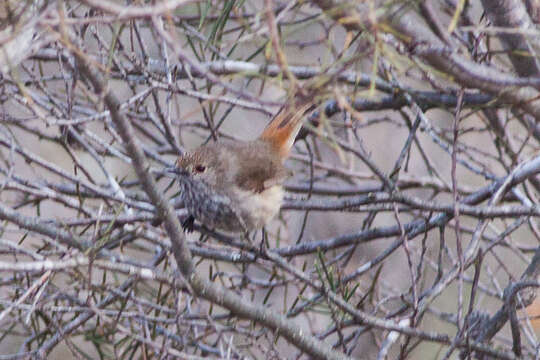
x=284 y=127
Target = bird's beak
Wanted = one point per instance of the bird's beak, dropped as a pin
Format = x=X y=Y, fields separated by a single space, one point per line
x=171 y=172
x=174 y=171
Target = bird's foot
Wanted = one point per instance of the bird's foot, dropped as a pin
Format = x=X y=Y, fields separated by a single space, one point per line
x=188 y=224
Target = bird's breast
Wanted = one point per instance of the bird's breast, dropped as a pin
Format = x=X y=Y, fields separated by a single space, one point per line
x=233 y=211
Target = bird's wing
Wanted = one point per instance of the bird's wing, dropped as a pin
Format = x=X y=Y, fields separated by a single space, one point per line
x=260 y=177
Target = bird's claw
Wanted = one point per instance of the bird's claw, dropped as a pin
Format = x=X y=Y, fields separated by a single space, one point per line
x=188 y=224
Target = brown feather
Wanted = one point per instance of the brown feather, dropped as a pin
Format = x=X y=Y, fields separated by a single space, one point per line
x=284 y=127
x=262 y=168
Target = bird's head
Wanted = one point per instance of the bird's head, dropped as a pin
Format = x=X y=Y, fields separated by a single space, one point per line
x=201 y=164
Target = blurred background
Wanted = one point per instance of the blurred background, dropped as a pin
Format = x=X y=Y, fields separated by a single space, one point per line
x=413 y=199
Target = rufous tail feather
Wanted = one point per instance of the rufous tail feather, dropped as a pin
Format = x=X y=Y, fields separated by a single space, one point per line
x=282 y=130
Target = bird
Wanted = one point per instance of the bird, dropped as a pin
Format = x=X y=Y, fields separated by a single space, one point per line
x=237 y=186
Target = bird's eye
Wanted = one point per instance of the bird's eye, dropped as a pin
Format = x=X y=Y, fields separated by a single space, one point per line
x=200 y=168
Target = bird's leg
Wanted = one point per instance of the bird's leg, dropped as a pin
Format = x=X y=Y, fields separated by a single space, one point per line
x=188 y=224
x=264 y=238
x=245 y=233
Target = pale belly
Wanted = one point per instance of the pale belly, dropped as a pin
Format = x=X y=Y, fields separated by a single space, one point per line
x=257 y=209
